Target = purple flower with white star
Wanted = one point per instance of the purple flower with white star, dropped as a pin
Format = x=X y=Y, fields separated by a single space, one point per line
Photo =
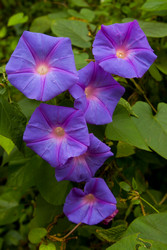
x=123 y=50
x=42 y=66
x=91 y=206
x=57 y=133
x=96 y=93
x=83 y=167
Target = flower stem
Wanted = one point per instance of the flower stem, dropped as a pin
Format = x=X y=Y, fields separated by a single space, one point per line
x=144 y=95
x=142 y=208
x=72 y=230
x=149 y=204
x=150 y=103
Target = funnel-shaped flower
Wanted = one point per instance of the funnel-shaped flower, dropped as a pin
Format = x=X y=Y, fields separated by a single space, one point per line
x=57 y=133
x=41 y=66
x=96 y=93
x=123 y=49
x=91 y=206
x=83 y=167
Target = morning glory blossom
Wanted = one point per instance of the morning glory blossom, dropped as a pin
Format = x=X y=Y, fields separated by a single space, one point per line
x=123 y=50
x=42 y=66
x=57 y=133
x=96 y=94
x=92 y=205
x=83 y=167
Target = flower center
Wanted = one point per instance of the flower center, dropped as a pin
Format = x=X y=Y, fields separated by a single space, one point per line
x=89 y=92
x=42 y=69
x=121 y=54
x=59 y=131
x=89 y=198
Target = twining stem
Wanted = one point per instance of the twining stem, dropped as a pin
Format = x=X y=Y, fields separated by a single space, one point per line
x=9 y=97
x=142 y=208
x=150 y=103
x=61 y=239
x=149 y=204
x=72 y=230
x=151 y=196
x=144 y=95
x=163 y=199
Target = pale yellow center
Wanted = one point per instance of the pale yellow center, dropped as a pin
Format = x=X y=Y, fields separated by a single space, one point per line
x=89 y=198
x=42 y=69
x=59 y=131
x=88 y=92
x=121 y=54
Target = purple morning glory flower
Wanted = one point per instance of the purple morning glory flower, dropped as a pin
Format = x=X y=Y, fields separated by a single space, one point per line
x=96 y=93
x=91 y=206
x=83 y=167
x=123 y=49
x=57 y=133
x=42 y=66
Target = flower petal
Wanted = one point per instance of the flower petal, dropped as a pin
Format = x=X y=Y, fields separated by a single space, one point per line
x=41 y=137
x=75 y=169
x=83 y=167
x=130 y=42
x=100 y=190
x=42 y=66
x=88 y=208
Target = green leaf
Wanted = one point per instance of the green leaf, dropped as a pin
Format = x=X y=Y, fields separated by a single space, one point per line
x=77 y=31
x=80 y=59
x=40 y=24
x=23 y=177
x=124 y=149
x=36 y=235
x=87 y=14
x=9 y=206
x=17 y=19
x=7 y=144
x=58 y=15
x=134 y=184
x=52 y=191
x=13 y=237
x=130 y=243
x=3 y=32
x=126 y=105
x=79 y=3
x=154 y=29
x=151 y=29
x=2 y=69
x=154 y=245
x=155 y=73
x=153 y=227
x=75 y=13
x=12 y=122
x=161 y=61
x=50 y=246
x=28 y=106
x=125 y=186
x=124 y=129
x=152 y=128
x=112 y=234
x=44 y=213
x=84 y=14
x=155 y=5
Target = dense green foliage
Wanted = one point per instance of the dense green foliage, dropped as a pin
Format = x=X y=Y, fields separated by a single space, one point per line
x=31 y=199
